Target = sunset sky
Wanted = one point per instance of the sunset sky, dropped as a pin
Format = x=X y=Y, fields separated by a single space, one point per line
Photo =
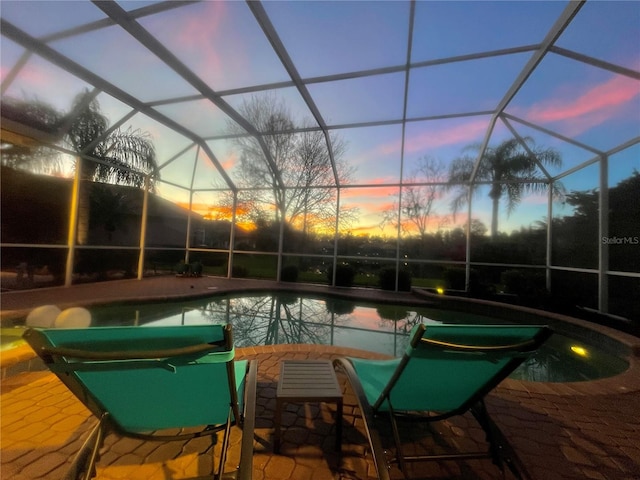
x=225 y=46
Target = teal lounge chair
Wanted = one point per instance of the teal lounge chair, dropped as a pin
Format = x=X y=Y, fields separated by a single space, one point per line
x=140 y=382
x=446 y=370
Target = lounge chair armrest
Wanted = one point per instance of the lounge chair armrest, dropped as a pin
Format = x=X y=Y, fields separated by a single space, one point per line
x=130 y=354
x=525 y=346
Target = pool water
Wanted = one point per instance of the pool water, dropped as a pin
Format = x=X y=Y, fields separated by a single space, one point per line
x=10 y=338
x=283 y=318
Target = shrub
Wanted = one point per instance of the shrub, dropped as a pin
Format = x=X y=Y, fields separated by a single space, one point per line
x=456 y=276
x=513 y=281
x=196 y=269
x=523 y=283
x=344 y=275
x=289 y=273
x=182 y=268
x=387 y=279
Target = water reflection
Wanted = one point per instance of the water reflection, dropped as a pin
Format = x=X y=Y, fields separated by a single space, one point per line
x=289 y=319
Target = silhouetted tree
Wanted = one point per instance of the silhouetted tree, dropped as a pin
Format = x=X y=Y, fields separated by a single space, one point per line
x=511 y=170
x=424 y=186
x=29 y=154
x=113 y=157
x=296 y=183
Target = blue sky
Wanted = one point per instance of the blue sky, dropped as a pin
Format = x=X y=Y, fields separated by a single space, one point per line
x=223 y=43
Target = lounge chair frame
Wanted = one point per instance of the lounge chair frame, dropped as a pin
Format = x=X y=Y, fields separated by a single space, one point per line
x=84 y=464
x=499 y=449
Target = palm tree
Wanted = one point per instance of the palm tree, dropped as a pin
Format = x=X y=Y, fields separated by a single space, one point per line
x=124 y=158
x=512 y=172
x=22 y=151
x=115 y=157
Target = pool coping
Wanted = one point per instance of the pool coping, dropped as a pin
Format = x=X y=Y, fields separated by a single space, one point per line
x=23 y=359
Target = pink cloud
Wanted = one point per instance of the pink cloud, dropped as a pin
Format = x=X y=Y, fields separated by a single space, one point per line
x=590 y=108
x=229 y=161
x=382 y=208
x=374 y=192
x=202 y=34
x=430 y=138
x=37 y=81
x=32 y=75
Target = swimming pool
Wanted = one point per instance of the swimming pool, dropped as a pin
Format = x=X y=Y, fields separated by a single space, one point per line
x=290 y=318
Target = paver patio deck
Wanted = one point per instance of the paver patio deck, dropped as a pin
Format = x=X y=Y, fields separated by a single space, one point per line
x=559 y=431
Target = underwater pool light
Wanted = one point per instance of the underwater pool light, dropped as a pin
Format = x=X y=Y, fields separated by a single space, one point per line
x=581 y=351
